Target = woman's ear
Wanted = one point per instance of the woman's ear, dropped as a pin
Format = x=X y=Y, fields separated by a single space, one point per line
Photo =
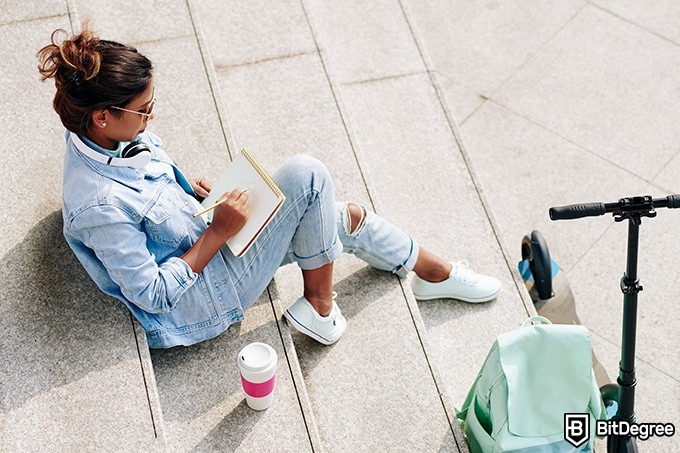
x=99 y=118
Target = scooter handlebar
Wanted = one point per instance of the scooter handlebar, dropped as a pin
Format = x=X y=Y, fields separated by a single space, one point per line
x=576 y=211
x=579 y=210
x=673 y=201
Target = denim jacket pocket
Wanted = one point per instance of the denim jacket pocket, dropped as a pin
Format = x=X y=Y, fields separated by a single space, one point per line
x=164 y=221
x=195 y=311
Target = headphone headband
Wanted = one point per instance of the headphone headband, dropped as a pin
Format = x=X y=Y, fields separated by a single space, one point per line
x=136 y=161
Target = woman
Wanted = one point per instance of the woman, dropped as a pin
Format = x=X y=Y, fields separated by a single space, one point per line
x=128 y=215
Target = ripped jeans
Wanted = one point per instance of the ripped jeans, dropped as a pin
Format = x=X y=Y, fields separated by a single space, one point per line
x=375 y=241
x=312 y=229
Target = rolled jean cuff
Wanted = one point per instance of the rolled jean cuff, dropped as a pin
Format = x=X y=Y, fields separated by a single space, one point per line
x=403 y=270
x=323 y=258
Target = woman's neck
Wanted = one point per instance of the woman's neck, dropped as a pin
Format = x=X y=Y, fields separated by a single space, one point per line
x=100 y=139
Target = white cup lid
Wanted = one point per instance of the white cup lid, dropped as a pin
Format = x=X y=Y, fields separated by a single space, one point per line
x=257 y=357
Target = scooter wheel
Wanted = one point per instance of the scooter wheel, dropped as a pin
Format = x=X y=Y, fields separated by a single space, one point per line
x=610 y=398
x=535 y=250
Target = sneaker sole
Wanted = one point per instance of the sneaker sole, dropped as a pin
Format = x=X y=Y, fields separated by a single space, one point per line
x=305 y=330
x=464 y=299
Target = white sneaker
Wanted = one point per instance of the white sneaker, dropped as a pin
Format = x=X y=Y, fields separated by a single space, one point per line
x=324 y=329
x=463 y=284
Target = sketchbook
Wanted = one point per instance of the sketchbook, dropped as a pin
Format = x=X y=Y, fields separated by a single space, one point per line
x=265 y=198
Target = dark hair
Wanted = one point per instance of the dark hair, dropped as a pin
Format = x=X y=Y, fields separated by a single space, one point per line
x=91 y=74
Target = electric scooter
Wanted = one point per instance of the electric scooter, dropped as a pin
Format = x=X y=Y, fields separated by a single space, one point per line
x=534 y=249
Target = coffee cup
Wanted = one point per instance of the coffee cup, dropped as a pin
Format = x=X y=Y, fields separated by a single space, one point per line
x=257 y=366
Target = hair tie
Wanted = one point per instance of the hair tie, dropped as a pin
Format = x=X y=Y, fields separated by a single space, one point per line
x=75 y=79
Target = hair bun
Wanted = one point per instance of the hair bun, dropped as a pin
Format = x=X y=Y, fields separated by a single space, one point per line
x=80 y=55
x=71 y=60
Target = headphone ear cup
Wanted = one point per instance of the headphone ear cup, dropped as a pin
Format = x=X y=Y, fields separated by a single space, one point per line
x=133 y=149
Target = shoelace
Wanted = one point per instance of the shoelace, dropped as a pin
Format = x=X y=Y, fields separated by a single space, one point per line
x=461 y=271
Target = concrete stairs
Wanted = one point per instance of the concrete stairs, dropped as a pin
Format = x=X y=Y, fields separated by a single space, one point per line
x=349 y=83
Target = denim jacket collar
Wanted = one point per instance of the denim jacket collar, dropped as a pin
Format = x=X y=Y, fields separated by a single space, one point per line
x=127 y=176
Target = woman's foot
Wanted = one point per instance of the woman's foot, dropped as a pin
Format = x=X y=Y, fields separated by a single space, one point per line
x=462 y=284
x=324 y=329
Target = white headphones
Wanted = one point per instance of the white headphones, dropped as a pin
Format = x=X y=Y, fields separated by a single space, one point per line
x=134 y=155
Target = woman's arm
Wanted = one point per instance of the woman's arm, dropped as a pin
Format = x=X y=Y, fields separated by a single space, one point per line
x=113 y=248
x=228 y=218
x=106 y=239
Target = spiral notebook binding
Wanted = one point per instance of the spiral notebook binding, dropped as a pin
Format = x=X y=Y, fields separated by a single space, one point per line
x=265 y=176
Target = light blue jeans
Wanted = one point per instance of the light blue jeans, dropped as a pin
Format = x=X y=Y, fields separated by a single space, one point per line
x=312 y=229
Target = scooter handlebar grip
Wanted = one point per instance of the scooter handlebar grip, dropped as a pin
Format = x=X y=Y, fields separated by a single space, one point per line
x=673 y=201
x=576 y=211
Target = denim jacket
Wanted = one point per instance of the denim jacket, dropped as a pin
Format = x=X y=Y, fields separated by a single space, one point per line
x=129 y=229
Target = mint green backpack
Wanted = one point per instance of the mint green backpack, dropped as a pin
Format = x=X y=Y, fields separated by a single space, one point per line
x=531 y=378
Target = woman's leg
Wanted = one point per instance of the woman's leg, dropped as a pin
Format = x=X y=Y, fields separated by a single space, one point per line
x=312 y=242
x=318 y=288
x=375 y=240
x=386 y=247
x=431 y=267
x=316 y=244
x=304 y=230
x=428 y=266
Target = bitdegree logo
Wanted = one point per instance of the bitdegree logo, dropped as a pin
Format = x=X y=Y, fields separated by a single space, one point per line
x=642 y=431
x=577 y=429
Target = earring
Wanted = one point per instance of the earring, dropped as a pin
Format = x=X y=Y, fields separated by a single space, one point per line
x=103 y=124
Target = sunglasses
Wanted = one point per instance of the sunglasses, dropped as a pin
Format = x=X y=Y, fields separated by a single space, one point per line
x=145 y=113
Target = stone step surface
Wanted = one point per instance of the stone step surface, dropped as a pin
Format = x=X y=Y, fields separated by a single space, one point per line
x=442 y=116
x=77 y=373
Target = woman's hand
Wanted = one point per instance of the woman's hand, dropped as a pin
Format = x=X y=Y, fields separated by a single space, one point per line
x=231 y=214
x=201 y=187
x=228 y=218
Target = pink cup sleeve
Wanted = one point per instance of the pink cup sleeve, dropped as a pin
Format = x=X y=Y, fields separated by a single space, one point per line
x=260 y=389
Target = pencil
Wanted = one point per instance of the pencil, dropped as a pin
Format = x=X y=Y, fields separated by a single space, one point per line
x=210 y=208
